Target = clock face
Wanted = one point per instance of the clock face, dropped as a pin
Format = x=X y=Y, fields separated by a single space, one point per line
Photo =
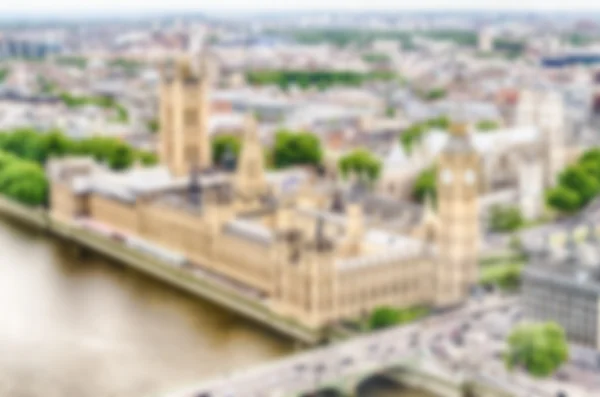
x=446 y=176
x=470 y=177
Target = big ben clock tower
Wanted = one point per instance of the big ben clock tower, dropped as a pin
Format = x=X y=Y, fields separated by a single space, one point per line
x=458 y=210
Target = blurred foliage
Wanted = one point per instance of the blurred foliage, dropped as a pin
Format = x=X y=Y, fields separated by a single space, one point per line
x=387 y=316
x=23 y=152
x=361 y=163
x=222 y=144
x=296 y=148
x=425 y=185
x=577 y=184
x=78 y=62
x=417 y=131
x=153 y=126
x=376 y=57
x=487 y=125
x=320 y=79
x=506 y=276
x=104 y=102
x=506 y=218
x=538 y=348
x=4 y=72
x=434 y=93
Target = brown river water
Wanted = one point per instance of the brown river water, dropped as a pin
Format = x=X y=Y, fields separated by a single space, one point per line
x=73 y=326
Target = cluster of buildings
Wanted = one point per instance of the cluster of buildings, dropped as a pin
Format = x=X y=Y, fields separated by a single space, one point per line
x=36 y=45
x=562 y=283
x=319 y=249
x=306 y=244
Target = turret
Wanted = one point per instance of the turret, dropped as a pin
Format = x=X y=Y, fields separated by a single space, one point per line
x=250 y=181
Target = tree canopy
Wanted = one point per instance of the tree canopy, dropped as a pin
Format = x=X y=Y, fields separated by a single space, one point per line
x=4 y=72
x=222 y=144
x=314 y=78
x=577 y=184
x=296 y=148
x=361 y=163
x=487 y=125
x=435 y=93
x=506 y=218
x=507 y=276
x=25 y=182
x=539 y=348
x=425 y=185
x=105 y=102
x=417 y=131
x=32 y=145
x=387 y=316
x=23 y=152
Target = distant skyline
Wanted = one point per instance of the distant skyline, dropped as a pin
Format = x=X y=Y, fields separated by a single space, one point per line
x=39 y=8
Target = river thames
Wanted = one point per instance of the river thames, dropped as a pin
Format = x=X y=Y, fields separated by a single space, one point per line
x=73 y=326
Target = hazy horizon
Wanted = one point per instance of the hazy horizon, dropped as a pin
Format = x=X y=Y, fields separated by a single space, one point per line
x=135 y=8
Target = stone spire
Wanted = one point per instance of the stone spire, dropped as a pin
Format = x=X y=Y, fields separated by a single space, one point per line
x=250 y=178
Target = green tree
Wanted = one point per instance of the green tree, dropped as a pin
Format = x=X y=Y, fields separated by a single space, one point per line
x=578 y=180
x=361 y=163
x=376 y=57
x=505 y=218
x=121 y=157
x=296 y=148
x=4 y=72
x=563 y=199
x=577 y=185
x=55 y=143
x=147 y=158
x=507 y=276
x=25 y=182
x=415 y=132
x=390 y=112
x=153 y=126
x=223 y=143
x=387 y=316
x=441 y=122
x=425 y=185
x=487 y=125
x=539 y=348
x=383 y=317
x=435 y=93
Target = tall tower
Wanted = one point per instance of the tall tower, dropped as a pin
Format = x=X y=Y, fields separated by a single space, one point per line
x=250 y=181
x=184 y=112
x=458 y=211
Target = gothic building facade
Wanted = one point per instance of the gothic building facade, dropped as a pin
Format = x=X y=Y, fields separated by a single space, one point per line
x=307 y=250
x=518 y=162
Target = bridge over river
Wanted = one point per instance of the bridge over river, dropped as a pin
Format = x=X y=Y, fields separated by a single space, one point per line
x=402 y=353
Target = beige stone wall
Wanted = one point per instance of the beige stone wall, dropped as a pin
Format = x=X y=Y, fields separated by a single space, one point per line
x=64 y=203
x=399 y=284
x=192 y=235
x=311 y=290
x=115 y=213
x=246 y=261
x=176 y=230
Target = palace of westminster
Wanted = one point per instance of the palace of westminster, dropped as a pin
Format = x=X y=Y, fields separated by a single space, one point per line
x=319 y=253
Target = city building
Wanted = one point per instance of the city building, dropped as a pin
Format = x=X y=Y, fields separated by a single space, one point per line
x=517 y=162
x=562 y=284
x=312 y=250
x=485 y=41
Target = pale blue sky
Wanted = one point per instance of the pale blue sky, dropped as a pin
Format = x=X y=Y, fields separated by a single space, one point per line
x=37 y=7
